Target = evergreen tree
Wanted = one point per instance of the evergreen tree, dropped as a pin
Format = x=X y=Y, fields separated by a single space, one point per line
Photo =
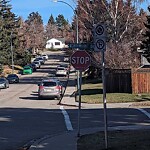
x=51 y=28
x=61 y=21
x=8 y=22
x=51 y=20
x=145 y=46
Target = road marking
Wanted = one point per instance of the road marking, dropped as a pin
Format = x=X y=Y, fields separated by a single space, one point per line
x=144 y=111
x=67 y=119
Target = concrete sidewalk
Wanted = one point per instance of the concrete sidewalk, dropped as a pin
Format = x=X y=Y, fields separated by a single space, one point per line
x=68 y=140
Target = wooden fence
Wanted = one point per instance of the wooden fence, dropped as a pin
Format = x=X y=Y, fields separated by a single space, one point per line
x=141 y=80
x=118 y=81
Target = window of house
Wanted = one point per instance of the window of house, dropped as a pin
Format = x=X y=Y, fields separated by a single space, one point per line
x=57 y=43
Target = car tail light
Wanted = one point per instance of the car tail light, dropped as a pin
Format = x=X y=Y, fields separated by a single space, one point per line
x=41 y=87
x=58 y=88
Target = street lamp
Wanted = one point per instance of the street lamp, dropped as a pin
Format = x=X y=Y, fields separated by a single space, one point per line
x=78 y=74
x=76 y=15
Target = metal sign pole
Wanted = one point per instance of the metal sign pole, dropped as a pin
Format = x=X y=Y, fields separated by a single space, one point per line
x=104 y=100
x=79 y=109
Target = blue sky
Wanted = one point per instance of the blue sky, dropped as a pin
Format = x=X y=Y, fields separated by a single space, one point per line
x=45 y=8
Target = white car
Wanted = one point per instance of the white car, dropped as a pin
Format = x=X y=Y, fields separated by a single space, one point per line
x=4 y=83
x=61 y=71
x=37 y=63
x=45 y=56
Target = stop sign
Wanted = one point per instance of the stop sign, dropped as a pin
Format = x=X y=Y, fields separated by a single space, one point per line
x=80 y=60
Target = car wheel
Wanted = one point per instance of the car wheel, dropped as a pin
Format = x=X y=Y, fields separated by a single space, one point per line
x=59 y=98
x=5 y=87
x=39 y=97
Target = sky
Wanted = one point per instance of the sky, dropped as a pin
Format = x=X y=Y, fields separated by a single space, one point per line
x=47 y=7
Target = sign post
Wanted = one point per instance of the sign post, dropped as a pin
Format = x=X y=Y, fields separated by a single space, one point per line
x=80 y=60
x=100 y=46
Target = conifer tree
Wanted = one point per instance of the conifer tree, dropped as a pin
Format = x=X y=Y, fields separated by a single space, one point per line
x=145 y=46
x=8 y=22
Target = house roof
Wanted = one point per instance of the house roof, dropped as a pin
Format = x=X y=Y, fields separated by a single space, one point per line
x=61 y=39
x=57 y=39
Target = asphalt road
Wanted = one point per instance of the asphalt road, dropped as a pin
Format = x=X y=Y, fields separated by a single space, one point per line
x=24 y=118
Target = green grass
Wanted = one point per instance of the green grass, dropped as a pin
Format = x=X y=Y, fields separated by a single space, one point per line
x=117 y=140
x=92 y=92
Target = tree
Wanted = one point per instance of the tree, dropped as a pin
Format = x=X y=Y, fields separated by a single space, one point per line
x=35 y=31
x=145 y=45
x=51 y=28
x=123 y=29
x=61 y=24
x=51 y=20
x=8 y=22
x=59 y=27
x=61 y=21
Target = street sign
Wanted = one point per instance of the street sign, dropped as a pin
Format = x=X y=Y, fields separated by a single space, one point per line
x=100 y=44
x=99 y=37
x=81 y=46
x=80 y=60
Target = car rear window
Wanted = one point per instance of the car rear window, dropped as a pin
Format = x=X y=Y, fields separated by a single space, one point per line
x=12 y=75
x=2 y=79
x=26 y=67
x=61 y=68
x=49 y=83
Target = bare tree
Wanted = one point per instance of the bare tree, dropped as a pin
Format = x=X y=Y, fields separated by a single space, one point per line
x=124 y=28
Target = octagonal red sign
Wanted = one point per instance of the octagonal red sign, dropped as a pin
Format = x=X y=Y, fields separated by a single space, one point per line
x=80 y=60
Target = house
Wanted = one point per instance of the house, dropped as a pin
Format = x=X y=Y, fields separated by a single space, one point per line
x=58 y=43
x=144 y=61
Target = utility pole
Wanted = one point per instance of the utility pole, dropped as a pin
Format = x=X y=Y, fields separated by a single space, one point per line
x=12 y=53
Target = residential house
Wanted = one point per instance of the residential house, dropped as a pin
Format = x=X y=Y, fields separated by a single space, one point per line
x=54 y=43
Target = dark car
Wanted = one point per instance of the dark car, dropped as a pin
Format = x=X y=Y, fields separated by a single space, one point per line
x=33 y=66
x=4 y=83
x=12 y=78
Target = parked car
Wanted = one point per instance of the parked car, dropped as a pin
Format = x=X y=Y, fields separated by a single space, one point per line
x=45 y=56
x=61 y=71
x=27 y=70
x=40 y=59
x=37 y=63
x=33 y=66
x=12 y=78
x=4 y=83
x=67 y=66
x=50 y=88
x=66 y=59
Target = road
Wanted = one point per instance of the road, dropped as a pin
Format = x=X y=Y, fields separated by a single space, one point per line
x=24 y=118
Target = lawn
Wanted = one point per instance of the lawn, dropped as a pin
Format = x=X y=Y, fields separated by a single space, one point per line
x=117 y=140
x=92 y=92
